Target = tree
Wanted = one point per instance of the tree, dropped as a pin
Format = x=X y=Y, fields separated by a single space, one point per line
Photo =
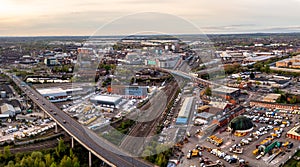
x=61 y=148
x=252 y=75
x=293 y=100
x=53 y=164
x=239 y=79
x=298 y=164
x=71 y=153
x=267 y=69
x=66 y=162
x=36 y=155
x=7 y=153
x=10 y=164
x=49 y=160
x=42 y=164
x=208 y=91
x=76 y=164
x=36 y=162
x=18 y=157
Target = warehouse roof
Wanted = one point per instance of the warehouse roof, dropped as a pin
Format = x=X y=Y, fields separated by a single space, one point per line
x=225 y=89
x=111 y=99
x=205 y=115
x=272 y=97
x=52 y=92
x=218 y=104
x=186 y=107
x=7 y=108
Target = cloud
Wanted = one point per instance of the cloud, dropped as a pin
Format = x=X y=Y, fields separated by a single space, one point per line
x=56 y=16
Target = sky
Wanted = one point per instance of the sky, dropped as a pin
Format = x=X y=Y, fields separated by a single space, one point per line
x=119 y=17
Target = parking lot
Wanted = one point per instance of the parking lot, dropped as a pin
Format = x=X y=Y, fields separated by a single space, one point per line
x=270 y=127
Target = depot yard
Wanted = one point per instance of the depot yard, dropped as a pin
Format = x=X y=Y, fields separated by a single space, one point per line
x=265 y=145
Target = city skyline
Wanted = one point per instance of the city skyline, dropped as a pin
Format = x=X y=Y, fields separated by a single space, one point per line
x=47 y=18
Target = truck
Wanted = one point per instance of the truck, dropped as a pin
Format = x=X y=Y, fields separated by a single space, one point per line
x=215 y=140
x=285 y=144
x=195 y=153
x=255 y=152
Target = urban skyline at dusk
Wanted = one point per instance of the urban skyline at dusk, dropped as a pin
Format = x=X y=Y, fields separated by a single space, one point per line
x=46 y=18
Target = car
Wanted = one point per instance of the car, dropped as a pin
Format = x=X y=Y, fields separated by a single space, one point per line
x=189 y=154
x=64 y=121
x=227 y=157
x=54 y=113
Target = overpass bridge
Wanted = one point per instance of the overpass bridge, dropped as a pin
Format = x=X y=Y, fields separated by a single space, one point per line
x=192 y=78
x=104 y=150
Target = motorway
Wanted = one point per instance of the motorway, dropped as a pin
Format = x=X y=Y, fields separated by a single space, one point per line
x=108 y=153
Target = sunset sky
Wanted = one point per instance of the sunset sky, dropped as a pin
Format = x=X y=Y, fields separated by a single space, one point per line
x=78 y=17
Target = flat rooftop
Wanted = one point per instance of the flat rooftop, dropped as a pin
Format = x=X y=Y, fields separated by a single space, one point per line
x=105 y=98
x=225 y=89
x=272 y=97
x=186 y=107
x=259 y=58
x=205 y=115
x=52 y=91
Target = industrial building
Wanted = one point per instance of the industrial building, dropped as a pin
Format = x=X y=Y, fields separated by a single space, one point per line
x=8 y=109
x=57 y=94
x=205 y=116
x=258 y=58
x=129 y=91
x=275 y=82
x=106 y=100
x=218 y=107
x=6 y=91
x=226 y=92
x=293 y=62
x=185 y=111
x=51 y=61
x=54 y=94
x=272 y=97
x=165 y=61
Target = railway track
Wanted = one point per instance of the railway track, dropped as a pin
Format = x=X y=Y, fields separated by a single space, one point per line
x=142 y=131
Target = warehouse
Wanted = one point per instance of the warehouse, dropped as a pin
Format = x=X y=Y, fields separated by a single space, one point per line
x=205 y=116
x=54 y=94
x=106 y=100
x=57 y=94
x=185 y=111
x=128 y=91
x=226 y=92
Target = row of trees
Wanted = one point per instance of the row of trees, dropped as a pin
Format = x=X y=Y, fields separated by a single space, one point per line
x=158 y=154
x=116 y=135
x=61 y=156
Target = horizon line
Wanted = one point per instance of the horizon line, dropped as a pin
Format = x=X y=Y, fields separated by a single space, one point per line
x=122 y=35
